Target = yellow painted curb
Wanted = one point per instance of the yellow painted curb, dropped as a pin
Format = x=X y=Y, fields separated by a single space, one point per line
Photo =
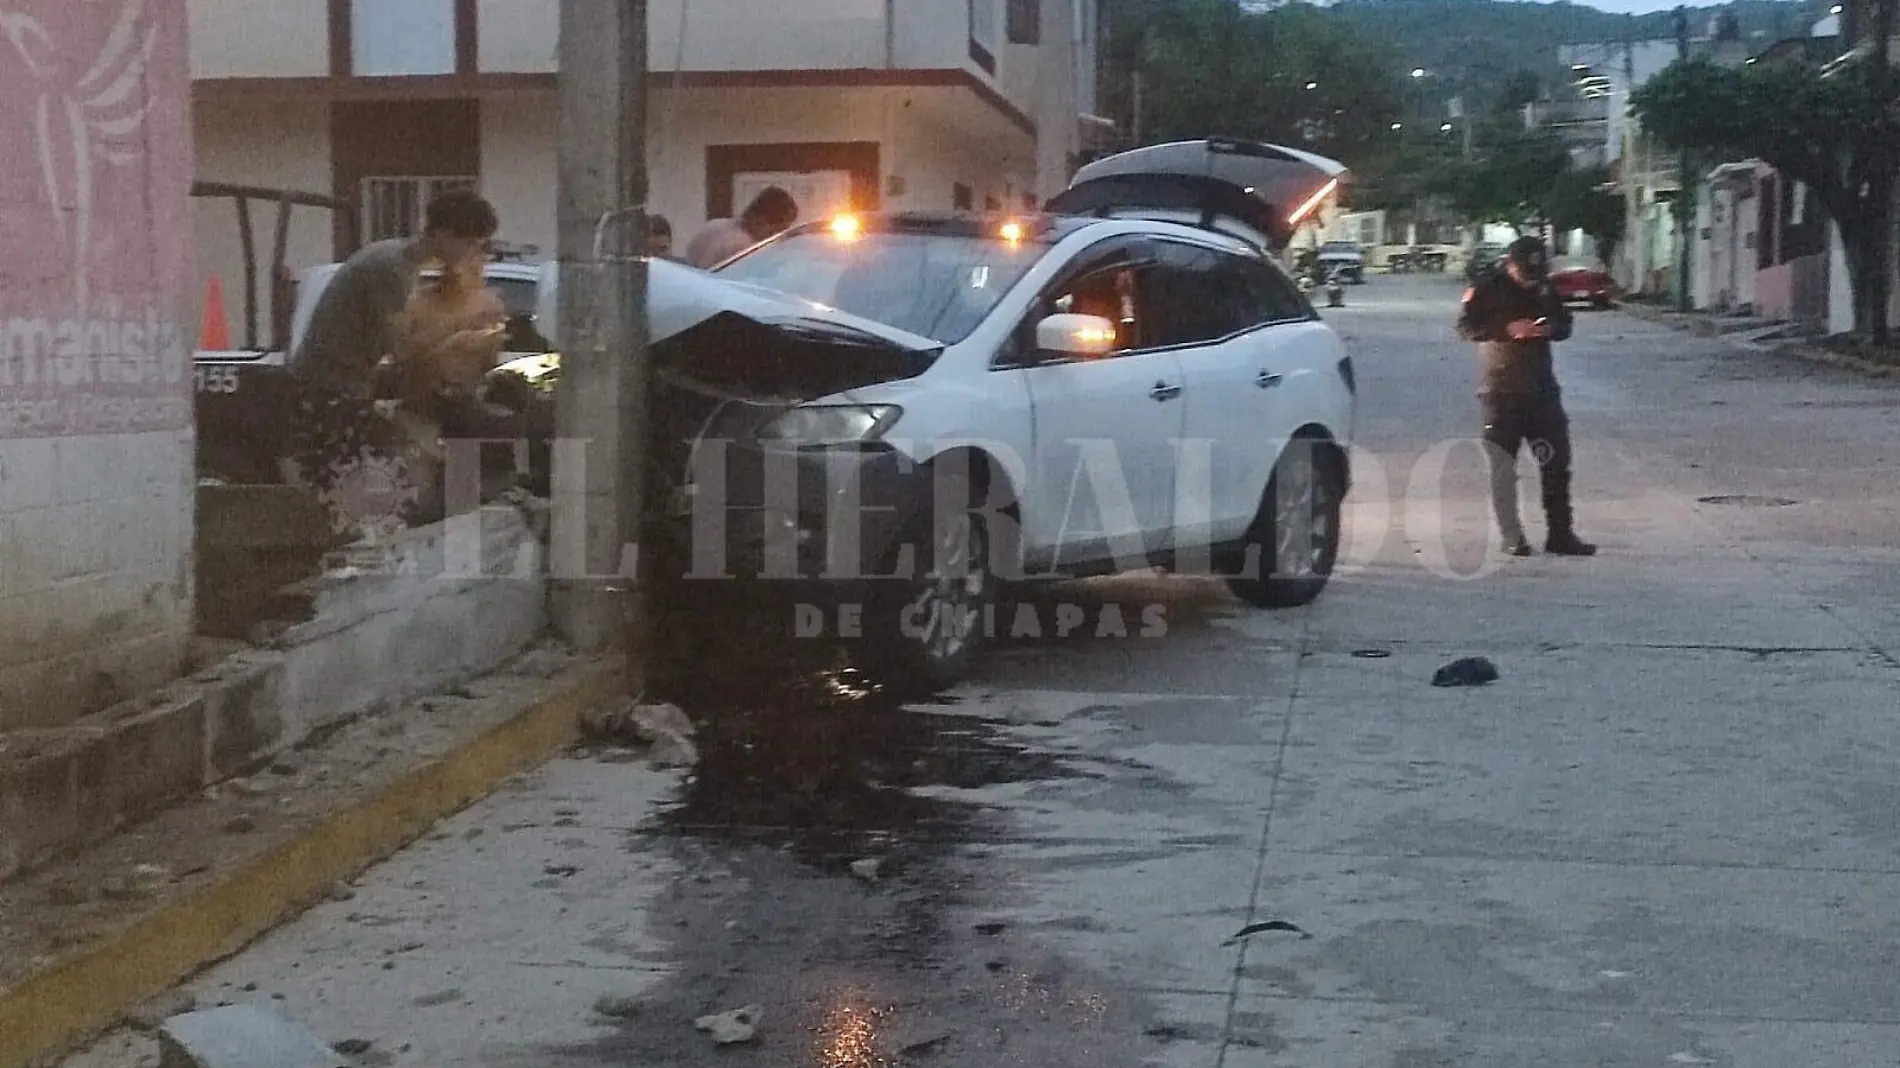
x=89 y=992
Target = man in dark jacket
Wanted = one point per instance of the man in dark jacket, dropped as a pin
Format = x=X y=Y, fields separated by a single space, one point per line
x=1514 y=316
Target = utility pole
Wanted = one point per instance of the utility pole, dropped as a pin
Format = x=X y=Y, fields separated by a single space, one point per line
x=1685 y=211
x=601 y=407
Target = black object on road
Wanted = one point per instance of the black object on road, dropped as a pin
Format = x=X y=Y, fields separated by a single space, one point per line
x=1469 y=671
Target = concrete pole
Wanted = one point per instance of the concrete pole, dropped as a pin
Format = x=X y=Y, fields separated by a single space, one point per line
x=1685 y=187
x=601 y=416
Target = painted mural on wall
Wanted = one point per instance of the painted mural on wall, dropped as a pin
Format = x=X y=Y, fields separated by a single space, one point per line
x=95 y=229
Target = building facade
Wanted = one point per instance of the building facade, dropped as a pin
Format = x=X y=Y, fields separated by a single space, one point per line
x=96 y=482
x=862 y=103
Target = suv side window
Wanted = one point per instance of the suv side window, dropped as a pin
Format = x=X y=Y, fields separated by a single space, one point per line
x=1273 y=296
x=1108 y=281
x=1192 y=300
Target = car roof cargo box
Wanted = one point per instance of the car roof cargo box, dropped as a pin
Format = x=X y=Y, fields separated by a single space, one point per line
x=1268 y=189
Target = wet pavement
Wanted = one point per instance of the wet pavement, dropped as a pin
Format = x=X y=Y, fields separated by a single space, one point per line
x=1666 y=835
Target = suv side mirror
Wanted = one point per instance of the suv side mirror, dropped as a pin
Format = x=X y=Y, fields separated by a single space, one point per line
x=1070 y=334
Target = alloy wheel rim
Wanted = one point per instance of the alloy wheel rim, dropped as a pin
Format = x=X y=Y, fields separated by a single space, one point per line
x=1302 y=519
x=950 y=600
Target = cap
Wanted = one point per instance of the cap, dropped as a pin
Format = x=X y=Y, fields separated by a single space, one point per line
x=1528 y=253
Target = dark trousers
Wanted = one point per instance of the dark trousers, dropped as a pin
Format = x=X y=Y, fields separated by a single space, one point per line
x=1512 y=422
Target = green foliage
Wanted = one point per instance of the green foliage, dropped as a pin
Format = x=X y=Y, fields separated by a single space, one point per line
x=1578 y=200
x=1839 y=134
x=1824 y=131
x=1208 y=68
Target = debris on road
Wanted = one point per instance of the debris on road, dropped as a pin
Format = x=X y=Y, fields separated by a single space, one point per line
x=1261 y=928
x=922 y=1041
x=662 y=728
x=1467 y=671
x=242 y=1036
x=732 y=1027
x=866 y=869
x=617 y=1007
x=353 y=1047
x=992 y=928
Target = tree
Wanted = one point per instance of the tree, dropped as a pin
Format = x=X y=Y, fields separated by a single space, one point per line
x=1206 y=68
x=1579 y=201
x=1839 y=134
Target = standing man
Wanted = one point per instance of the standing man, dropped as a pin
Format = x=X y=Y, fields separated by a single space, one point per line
x=1514 y=316
x=336 y=428
x=771 y=212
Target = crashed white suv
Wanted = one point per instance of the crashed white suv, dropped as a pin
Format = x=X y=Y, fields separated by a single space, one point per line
x=917 y=407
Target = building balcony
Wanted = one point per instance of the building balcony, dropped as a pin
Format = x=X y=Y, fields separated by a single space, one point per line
x=255 y=43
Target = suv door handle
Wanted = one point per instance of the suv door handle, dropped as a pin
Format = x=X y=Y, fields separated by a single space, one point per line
x=1266 y=380
x=1164 y=391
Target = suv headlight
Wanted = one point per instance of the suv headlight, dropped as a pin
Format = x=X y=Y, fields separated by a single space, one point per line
x=831 y=424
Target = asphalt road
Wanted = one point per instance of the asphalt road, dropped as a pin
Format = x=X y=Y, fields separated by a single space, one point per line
x=1666 y=835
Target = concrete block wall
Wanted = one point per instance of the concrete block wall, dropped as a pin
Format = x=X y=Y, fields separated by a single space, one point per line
x=95 y=587
x=446 y=604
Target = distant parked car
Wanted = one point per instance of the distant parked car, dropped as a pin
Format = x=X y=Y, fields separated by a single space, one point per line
x=1344 y=259
x=1578 y=280
x=1483 y=258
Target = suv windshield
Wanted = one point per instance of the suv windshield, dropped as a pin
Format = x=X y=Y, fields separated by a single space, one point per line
x=938 y=285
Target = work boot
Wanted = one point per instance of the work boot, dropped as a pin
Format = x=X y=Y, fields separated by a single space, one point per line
x=1566 y=543
x=1517 y=546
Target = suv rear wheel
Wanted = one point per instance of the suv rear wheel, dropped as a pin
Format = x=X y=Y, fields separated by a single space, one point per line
x=1297 y=529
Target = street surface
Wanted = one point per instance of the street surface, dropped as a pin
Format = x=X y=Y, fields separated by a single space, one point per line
x=1667 y=834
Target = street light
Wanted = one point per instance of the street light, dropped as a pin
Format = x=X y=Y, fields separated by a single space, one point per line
x=1398 y=126
x=1445 y=128
x=1312 y=85
x=1418 y=72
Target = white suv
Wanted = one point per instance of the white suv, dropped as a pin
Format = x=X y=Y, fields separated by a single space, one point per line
x=921 y=406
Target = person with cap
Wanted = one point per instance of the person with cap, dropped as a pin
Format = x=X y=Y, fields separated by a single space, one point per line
x=1514 y=316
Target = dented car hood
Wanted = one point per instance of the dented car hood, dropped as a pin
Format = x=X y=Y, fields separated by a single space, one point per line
x=680 y=298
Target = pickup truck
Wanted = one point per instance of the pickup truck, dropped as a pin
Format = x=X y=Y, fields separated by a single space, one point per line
x=1345 y=258
x=242 y=393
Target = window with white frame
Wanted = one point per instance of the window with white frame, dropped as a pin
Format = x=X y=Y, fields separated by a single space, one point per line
x=396 y=37
x=393 y=207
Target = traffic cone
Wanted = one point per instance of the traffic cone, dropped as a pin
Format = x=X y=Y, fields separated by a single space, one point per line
x=214 y=335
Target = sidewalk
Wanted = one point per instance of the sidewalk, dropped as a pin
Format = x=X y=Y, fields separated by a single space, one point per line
x=1759 y=334
x=85 y=939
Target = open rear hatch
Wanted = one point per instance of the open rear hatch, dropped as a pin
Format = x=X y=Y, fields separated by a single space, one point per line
x=1269 y=189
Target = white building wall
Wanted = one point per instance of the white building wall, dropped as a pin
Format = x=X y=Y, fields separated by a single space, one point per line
x=259 y=38
x=524 y=36
x=295 y=155
x=96 y=479
x=1840 y=290
x=521 y=167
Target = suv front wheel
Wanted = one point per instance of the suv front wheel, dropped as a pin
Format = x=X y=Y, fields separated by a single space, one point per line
x=1294 y=540
x=934 y=623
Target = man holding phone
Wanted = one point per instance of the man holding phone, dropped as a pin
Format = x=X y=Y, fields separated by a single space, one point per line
x=1514 y=316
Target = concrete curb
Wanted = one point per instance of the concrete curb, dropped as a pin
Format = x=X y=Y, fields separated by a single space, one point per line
x=1843 y=361
x=91 y=989
x=1840 y=360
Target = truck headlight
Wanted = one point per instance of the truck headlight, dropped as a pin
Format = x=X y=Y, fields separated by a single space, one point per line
x=816 y=425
